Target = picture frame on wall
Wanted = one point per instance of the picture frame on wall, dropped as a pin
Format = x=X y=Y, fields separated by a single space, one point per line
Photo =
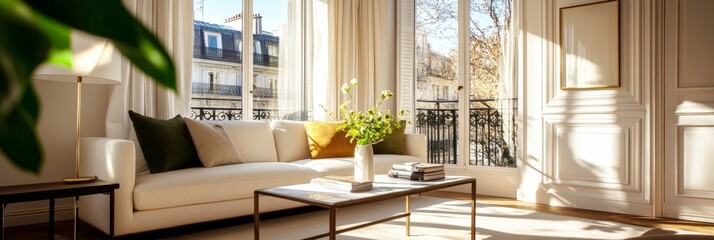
x=590 y=46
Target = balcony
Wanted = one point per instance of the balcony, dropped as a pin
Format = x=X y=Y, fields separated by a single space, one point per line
x=230 y=114
x=491 y=137
x=229 y=90
x=233 y=56
x=217 y=54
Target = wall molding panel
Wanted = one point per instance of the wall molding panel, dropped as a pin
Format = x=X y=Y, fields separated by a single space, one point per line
x=694 y=151
x=688 y=181
x=595 y=151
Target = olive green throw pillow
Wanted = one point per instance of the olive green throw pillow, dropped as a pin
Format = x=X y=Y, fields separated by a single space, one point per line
x=394 y=143
x=166 y=144
x=324 y=141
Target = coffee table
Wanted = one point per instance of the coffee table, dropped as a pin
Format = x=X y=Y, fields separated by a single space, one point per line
x=384 y=188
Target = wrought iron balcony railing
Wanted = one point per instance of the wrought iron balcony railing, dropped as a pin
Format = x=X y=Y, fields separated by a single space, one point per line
x=229 y=114
x=492 y=138
x=217 y=54
x=230 y=90
x=233 y=56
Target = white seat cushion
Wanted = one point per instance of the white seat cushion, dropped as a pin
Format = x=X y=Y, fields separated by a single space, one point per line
x=204 y=185
x=345 y=166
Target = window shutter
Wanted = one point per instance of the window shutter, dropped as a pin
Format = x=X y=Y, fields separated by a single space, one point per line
x=405 y=64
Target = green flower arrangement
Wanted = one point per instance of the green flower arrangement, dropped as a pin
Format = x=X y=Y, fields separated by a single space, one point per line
x=368 y=127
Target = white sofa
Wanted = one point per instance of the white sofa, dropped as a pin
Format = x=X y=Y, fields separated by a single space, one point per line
x=275 y=154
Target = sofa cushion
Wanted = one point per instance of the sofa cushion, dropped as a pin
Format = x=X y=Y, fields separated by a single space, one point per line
x=213 y=145
x=206 y=185
x=345 y=166
x=325 y=141
x=166 y=144
x=290 y=140
x=393 y=143
x=254 y=140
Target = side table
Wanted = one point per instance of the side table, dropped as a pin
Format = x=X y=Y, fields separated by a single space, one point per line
x=52 y=191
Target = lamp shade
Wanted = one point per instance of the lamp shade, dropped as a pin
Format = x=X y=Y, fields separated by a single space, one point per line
x=94 y=59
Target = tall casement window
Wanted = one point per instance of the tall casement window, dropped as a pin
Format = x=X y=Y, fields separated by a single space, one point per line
x=269 y=79
x=465 y=94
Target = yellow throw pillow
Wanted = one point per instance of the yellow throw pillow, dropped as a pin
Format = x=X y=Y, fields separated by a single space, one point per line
x=325 y=141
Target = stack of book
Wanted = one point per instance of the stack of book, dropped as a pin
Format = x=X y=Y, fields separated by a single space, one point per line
x=417 y=171
x=342 y=183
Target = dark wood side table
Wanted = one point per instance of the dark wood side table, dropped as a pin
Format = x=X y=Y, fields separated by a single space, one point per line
x=52 y=191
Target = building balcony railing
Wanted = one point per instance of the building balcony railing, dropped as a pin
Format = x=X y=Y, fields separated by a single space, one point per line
x=229 y=114
x=233 y=56
x=265 y=60
x=217 y=54
x=491 y=137
x=230 y=90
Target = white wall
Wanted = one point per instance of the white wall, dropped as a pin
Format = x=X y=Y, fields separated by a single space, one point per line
x=588 y=149
x=56 y=130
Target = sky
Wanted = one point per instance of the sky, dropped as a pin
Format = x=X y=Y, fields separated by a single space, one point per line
x=216 y=11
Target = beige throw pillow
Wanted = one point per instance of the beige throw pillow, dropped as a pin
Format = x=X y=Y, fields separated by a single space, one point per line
x=253 y=138
x=212 y=143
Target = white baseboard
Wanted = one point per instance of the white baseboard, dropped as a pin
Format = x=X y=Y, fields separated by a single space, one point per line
x=492 y=182
x=27 y=216
x=699 y=217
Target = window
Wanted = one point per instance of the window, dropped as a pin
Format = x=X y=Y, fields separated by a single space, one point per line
x=212 y=40
x=256 y=48
x=287 y=37
x=489 y=98
x=272 y=50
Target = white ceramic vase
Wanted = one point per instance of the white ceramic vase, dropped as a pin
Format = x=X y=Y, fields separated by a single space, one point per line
x=364 y=163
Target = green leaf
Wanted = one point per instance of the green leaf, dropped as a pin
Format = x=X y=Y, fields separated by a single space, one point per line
x=110 y=19
x=60 y=52
x=18 y=138
x=23 y=46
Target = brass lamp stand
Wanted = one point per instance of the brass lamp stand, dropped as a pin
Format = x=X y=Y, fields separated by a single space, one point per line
x=77 y=178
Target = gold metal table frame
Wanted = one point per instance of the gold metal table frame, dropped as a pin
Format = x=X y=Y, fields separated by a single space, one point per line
x=299 y=192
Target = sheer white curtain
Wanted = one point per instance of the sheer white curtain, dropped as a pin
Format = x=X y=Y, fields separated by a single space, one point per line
x=508 y=89
x=363 y=40
x=172 y=22
x=292 y=48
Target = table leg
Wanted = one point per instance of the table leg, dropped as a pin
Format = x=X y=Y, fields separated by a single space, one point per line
x=408 y=208
x=111 y=214
x=52 y=218
x=333 y=224
x=473 y=210
x=256 y=217
x=2 y=222
x=76 y=215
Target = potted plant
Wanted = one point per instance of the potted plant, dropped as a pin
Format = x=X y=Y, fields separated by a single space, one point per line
x=366 y=128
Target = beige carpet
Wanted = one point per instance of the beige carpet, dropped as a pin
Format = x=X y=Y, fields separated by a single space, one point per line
x=432 y=218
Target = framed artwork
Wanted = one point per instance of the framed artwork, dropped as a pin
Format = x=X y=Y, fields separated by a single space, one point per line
x=589 y=46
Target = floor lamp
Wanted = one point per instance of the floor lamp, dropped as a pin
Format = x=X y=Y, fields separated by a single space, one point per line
x=94 y=61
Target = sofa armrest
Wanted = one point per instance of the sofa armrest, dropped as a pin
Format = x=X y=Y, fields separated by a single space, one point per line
x=110 y=159
x=415 y=144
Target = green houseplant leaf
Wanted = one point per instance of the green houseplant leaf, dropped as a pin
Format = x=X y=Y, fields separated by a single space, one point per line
x=110 y=19
x=33 y=32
